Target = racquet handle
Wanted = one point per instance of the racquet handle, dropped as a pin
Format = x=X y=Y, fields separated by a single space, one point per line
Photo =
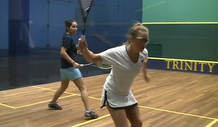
x=83 y=37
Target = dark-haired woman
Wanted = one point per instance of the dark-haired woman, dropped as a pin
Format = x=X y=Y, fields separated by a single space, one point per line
x=70 y=71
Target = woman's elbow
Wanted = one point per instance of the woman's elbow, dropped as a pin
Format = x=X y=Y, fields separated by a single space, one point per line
x=96 y=58
x=61 y=53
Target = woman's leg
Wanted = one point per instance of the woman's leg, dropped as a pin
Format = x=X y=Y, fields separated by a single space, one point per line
x=58 y=93
x=84 y=96
x=133 y=115
x=118 y=116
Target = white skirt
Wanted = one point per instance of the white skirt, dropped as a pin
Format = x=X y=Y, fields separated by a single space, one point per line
x=117 y=101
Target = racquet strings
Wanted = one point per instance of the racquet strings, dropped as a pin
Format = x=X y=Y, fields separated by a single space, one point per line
x=85 y=5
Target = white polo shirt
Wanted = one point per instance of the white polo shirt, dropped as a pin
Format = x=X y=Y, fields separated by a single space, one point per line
x=123 y=70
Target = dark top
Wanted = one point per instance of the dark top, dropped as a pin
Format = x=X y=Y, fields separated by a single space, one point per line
x=68 y=43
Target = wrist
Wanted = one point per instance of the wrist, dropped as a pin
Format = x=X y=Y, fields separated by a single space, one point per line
x=146 y=75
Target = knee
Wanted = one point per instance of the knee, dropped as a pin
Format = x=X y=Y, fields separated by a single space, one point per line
x=137 y=124
x=140 y=123
x=82 y=87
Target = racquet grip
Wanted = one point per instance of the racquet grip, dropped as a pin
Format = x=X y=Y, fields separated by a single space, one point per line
x=82 y=37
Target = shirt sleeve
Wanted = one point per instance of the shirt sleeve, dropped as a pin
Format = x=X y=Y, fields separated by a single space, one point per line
x=66 y=42
x=109 y=56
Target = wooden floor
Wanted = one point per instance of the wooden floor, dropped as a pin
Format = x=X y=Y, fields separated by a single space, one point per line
x=172 y=99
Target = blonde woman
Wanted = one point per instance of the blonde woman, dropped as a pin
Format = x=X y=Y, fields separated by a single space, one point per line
x=127 y=61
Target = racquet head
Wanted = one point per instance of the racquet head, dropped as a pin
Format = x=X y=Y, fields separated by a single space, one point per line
x=103 y=66
x=98 y=65
x=85 y=6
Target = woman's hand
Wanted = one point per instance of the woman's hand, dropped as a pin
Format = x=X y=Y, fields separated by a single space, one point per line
x=147 y=78
x=82 y=45
x=77 y=65
x=78 y=52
